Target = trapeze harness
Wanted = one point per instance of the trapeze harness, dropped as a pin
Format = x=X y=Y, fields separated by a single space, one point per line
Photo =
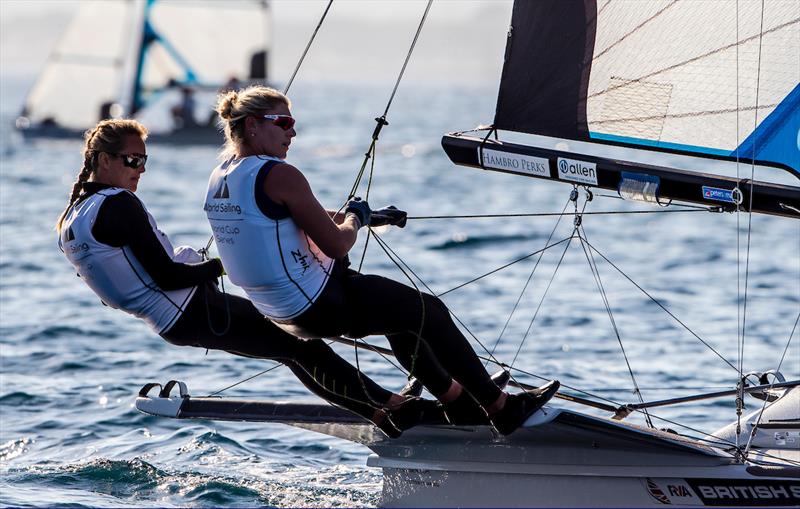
x=114 y=273
x=264 y=252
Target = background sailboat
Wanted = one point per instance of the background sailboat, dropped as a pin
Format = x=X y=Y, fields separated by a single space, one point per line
x=160 y=61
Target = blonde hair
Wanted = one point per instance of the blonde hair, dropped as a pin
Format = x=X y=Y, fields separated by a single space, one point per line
x=107 y=136
x=235 y=106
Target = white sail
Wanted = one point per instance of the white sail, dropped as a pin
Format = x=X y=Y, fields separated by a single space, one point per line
x=87 y=67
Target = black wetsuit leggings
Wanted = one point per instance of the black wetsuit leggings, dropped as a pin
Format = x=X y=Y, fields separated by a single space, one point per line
x=358 y=305
x=313 y=362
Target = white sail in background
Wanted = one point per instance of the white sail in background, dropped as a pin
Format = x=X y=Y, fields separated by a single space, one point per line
x=135 y=54
x=87 y=68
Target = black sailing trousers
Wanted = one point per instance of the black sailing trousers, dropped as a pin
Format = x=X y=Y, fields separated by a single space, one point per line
x=419 y=328
x=250 y=334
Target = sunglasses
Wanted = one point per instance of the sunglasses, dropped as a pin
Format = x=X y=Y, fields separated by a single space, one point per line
x=285 y=122
x=132 y=160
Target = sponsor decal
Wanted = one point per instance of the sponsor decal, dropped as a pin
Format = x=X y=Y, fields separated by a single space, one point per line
x=518 y=163
x=225 y=233
x=719 y=194
x=300 y=259
x=577 y=171
x=724 y=492
x=223 y=208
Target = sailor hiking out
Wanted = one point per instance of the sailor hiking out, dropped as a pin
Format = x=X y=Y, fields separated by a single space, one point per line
x=279 y=244
x=116 y=248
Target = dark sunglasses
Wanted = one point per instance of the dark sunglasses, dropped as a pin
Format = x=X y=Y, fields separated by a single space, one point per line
x=285 y=122
x=131 y=160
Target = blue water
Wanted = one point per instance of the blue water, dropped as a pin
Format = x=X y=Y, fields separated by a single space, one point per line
x=69 y=435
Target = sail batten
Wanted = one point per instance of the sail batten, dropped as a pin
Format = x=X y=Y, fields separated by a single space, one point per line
x=701 y=77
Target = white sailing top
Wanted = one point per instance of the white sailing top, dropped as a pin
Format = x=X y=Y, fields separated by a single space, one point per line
x=114 y=273
x=279 y=267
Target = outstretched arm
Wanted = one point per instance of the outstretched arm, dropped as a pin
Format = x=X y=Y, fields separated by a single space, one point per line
x=287 y=186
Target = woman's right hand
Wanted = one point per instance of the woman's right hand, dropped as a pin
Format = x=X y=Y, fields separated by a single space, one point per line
x=360 y=209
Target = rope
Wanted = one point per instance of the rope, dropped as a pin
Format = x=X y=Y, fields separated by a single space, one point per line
x=498 y=269
x=607 y=304
x=556 y=214
x=527 y=282
x=659 y=304
x=308 y=46
x=381 y=121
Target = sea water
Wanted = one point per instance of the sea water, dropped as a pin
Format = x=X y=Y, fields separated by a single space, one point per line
x=71 y=367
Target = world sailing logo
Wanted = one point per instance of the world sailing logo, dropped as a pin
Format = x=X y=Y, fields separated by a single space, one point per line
x=577 y=171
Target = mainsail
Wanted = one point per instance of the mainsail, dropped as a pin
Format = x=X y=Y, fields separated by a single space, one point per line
x=716 y=78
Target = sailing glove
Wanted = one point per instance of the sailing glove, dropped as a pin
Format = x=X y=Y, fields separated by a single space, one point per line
x=360 y=209
x=390 y=215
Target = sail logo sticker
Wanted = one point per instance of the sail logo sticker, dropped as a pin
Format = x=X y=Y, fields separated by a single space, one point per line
x=719 y=194
x=518 y=163
x=577 y=171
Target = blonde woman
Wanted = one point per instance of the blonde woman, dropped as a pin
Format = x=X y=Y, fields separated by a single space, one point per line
x=286 y=251
x=117 y=249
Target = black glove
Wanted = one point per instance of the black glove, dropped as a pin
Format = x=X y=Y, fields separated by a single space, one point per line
x=388 y=215
x=360 y=209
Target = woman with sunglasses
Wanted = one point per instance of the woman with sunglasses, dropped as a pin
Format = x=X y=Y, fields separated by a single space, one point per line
x=288 y=253
x=118 y=250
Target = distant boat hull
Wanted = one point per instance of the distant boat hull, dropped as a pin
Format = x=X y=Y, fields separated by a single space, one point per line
x=200 y=135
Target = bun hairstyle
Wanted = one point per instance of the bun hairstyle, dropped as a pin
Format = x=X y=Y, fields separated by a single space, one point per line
x=236 y=105
x=106 y=136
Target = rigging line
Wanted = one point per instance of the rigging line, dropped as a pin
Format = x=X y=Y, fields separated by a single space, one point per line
x=739 y=347
x=428 y=288
x=382 y=119
x=527 y=282
x=366 y=197
x=556 y=214
x=696 y=58
x=308 y=46
x=659 y=304
x=544 y=295
x=498 y=269
x=764 y=405
x=422 y=317
x=750 y=220
x=276 y=366
x=596 y=274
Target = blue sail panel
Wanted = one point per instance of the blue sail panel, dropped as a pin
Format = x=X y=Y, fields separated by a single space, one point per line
x=777 y=138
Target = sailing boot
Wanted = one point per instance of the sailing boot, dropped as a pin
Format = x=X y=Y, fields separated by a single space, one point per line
x=501 y=378
x=414 y=411
x=464 y=410
x=520 y=406
x=412 y=388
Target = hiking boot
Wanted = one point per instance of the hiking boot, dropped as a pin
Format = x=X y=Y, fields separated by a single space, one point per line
x=412 y=388
x=414 y=411
x=520 y=406
x=464 y=410
x=501 y=378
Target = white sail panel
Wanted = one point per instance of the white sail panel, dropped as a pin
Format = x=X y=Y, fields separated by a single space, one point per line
x=702 y=74
x=84 y=71
x=216 y=41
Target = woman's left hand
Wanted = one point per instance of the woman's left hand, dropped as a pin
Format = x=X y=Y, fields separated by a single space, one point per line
x=390 y=215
